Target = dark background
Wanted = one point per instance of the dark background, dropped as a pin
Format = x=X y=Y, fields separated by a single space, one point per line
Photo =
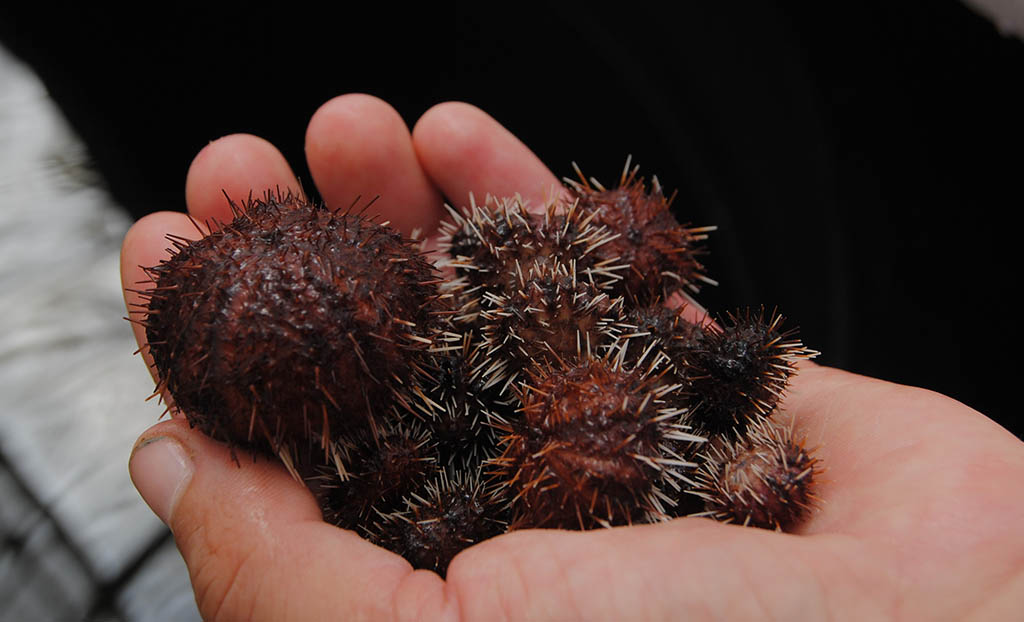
x=862 y=162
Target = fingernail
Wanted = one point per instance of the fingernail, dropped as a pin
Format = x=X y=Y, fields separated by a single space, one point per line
x=161 y=470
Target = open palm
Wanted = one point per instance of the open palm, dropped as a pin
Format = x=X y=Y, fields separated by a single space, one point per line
x=921 y=517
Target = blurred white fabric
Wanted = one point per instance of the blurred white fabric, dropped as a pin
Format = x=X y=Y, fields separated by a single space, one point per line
x=1008 y=15
x=76 y=535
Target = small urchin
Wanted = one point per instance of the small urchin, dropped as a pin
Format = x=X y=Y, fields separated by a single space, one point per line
x=765 y=479
x=455 y=511
x=737 y=371
x=662 y=255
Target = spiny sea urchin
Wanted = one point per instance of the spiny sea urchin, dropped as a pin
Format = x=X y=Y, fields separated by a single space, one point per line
x=455 y=511
x=662 y=255
x=456 y=402
x=289 y=322
x=763 y=480
x=485 y=241
x=545 y=313
x=369 y=473
x=594 y=446
x=737 y=372
x=489 y=245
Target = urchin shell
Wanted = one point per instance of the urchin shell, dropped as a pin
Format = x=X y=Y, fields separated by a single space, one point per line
x=547 y=313
x=489 y=245
x=289 y=322
x=594 y=448
x=662 y=255
x=454 y=512
x=375 y=472
x=657 y=336
x=485 y=241
x=455 y=402
x=763 y=480
x=737 y=372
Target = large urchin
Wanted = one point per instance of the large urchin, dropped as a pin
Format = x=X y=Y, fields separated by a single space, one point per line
x=289 y=322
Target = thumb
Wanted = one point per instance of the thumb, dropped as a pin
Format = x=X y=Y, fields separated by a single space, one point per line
x=254 y=541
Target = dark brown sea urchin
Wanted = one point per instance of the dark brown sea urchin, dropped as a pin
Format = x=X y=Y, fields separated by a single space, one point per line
x=766 y=479
x=289 y=322
x=595 y=446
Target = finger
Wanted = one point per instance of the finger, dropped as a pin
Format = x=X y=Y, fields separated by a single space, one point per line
x=358 y=148
x=145 y=246
x=254 y=542
x=464 y=150
x=238 y=166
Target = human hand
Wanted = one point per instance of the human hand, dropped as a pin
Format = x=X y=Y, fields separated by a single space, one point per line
x=920 y=515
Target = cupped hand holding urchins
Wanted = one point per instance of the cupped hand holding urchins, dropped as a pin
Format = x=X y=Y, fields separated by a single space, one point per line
x=548 y=373
x=914 y=481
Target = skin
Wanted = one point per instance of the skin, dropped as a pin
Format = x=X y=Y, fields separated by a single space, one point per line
x=921 y=515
